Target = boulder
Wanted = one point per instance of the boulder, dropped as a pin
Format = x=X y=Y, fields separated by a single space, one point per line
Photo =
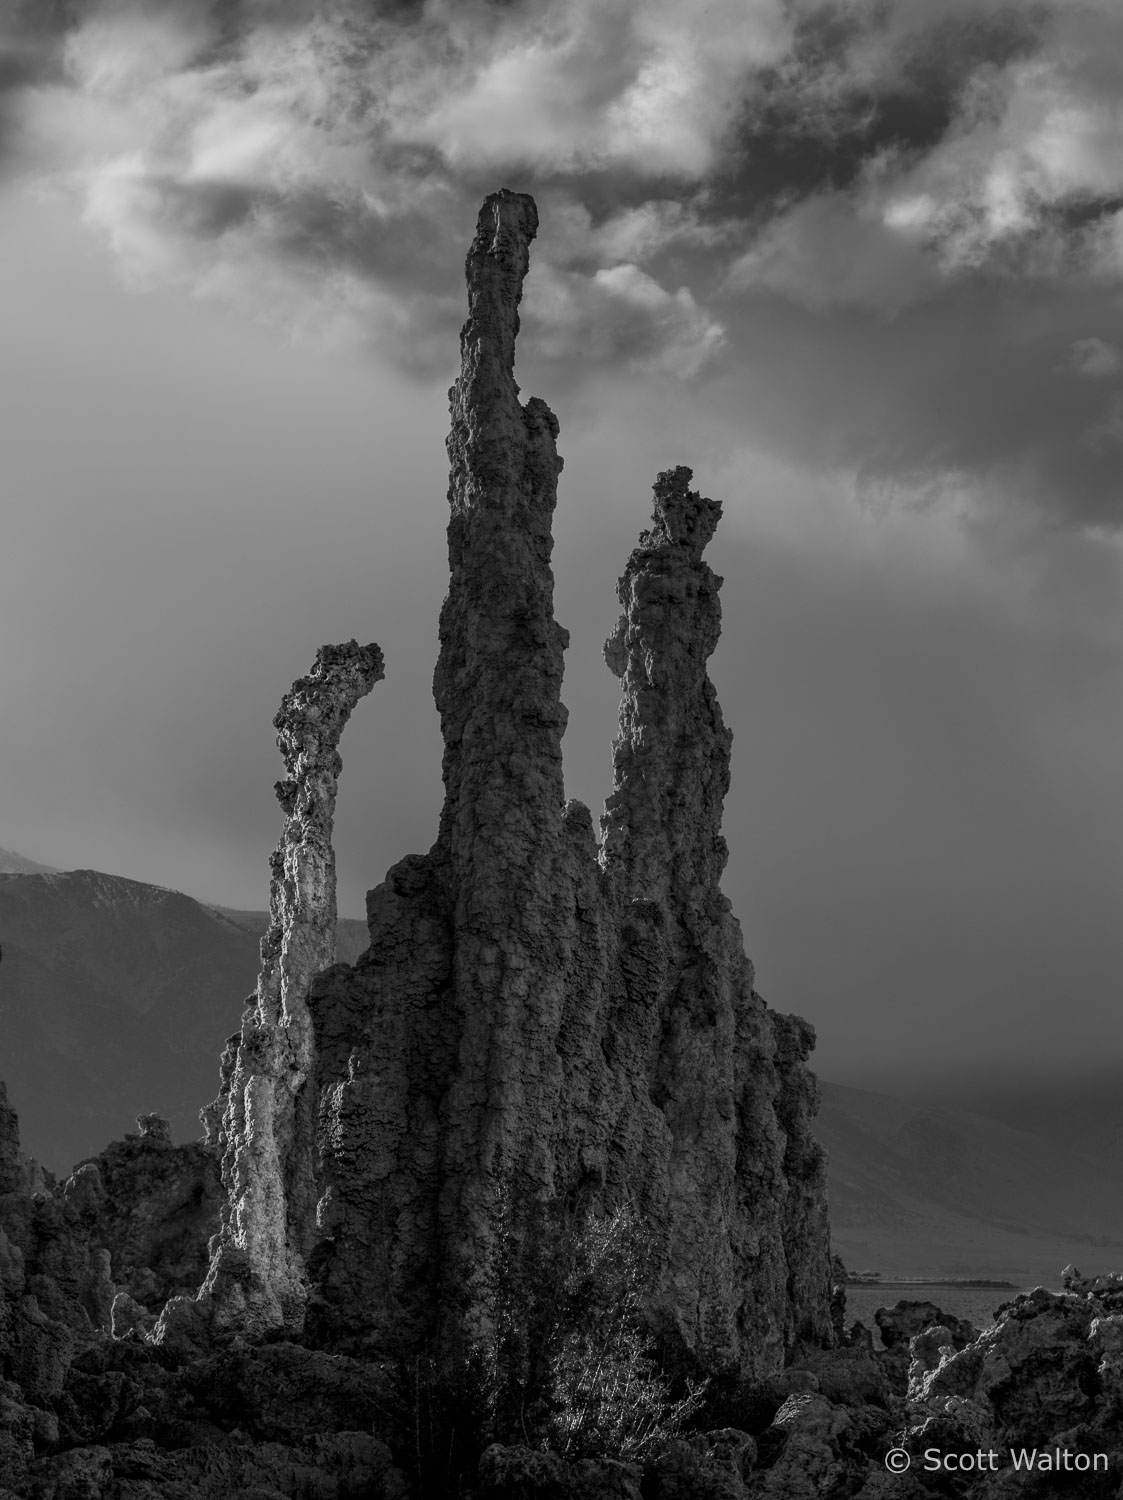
x=1045 y=1375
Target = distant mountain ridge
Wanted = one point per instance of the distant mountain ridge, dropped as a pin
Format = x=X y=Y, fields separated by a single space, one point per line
x=116 y=998
x=12 y=863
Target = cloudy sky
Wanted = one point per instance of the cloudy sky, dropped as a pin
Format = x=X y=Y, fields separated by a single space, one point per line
x=860 y=265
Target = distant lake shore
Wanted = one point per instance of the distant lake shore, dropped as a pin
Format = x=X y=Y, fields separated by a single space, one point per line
x=976 y=1300
x=910 y=1283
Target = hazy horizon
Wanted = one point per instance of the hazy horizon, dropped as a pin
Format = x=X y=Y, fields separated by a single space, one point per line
x=860 y=269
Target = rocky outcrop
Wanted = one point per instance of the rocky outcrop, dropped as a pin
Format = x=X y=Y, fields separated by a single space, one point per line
x=55 y=1274
x=1047 y=1375
x=130 y=1223
x=537 y=1017
x=126 y=1417
x=543 y=1029
x=55 y=1292
x=153 y=1206
x=261 y=1120
x=94 y=1412
x=745 y=1213
x=900 y=1324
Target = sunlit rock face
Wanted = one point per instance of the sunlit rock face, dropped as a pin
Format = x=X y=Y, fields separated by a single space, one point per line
x=539 y=1015
x=262 y=1119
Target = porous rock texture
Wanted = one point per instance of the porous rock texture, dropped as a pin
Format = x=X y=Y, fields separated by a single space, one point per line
x=153 y=1206
x=537 y=1016
x=93 y=1407
x=261 y=1120
x=127 y=1227
x=899 y=1325
x=1046 y=1378
x=1046 y=1375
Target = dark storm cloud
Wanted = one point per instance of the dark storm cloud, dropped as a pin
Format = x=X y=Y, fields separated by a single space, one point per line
x=893 y=165
x=996 y=405
x=255 y=150
x=29 y=55
x=1004 y=158
x=814 y=121
x=940 y=263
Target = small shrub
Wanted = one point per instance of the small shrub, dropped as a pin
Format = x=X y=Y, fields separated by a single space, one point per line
x=570 y=1363
x=567 y=1365
x=609 y=1398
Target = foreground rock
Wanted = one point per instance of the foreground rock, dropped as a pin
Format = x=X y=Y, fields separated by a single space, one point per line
x=92 y=1406
x=1045 y=1381
x=130 y=1417
x=152 y=1206
x=899 y=1325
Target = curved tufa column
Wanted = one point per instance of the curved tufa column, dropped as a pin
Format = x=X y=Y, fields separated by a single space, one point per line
x=263 y=1120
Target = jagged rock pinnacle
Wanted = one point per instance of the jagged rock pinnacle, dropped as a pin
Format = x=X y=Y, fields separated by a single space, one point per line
x=498 y=677
x=535 y=1019
x=530 y=1020
x=662 y=822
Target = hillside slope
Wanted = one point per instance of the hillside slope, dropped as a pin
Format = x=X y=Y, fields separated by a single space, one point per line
x=12 y=863
x=1084 y=1113
x=116 y=998
x=918 y=1190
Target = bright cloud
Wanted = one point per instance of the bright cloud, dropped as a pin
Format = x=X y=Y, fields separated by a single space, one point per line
x=313 y=156
x=321 y=167
x=1021 y=179
x=620 y=314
